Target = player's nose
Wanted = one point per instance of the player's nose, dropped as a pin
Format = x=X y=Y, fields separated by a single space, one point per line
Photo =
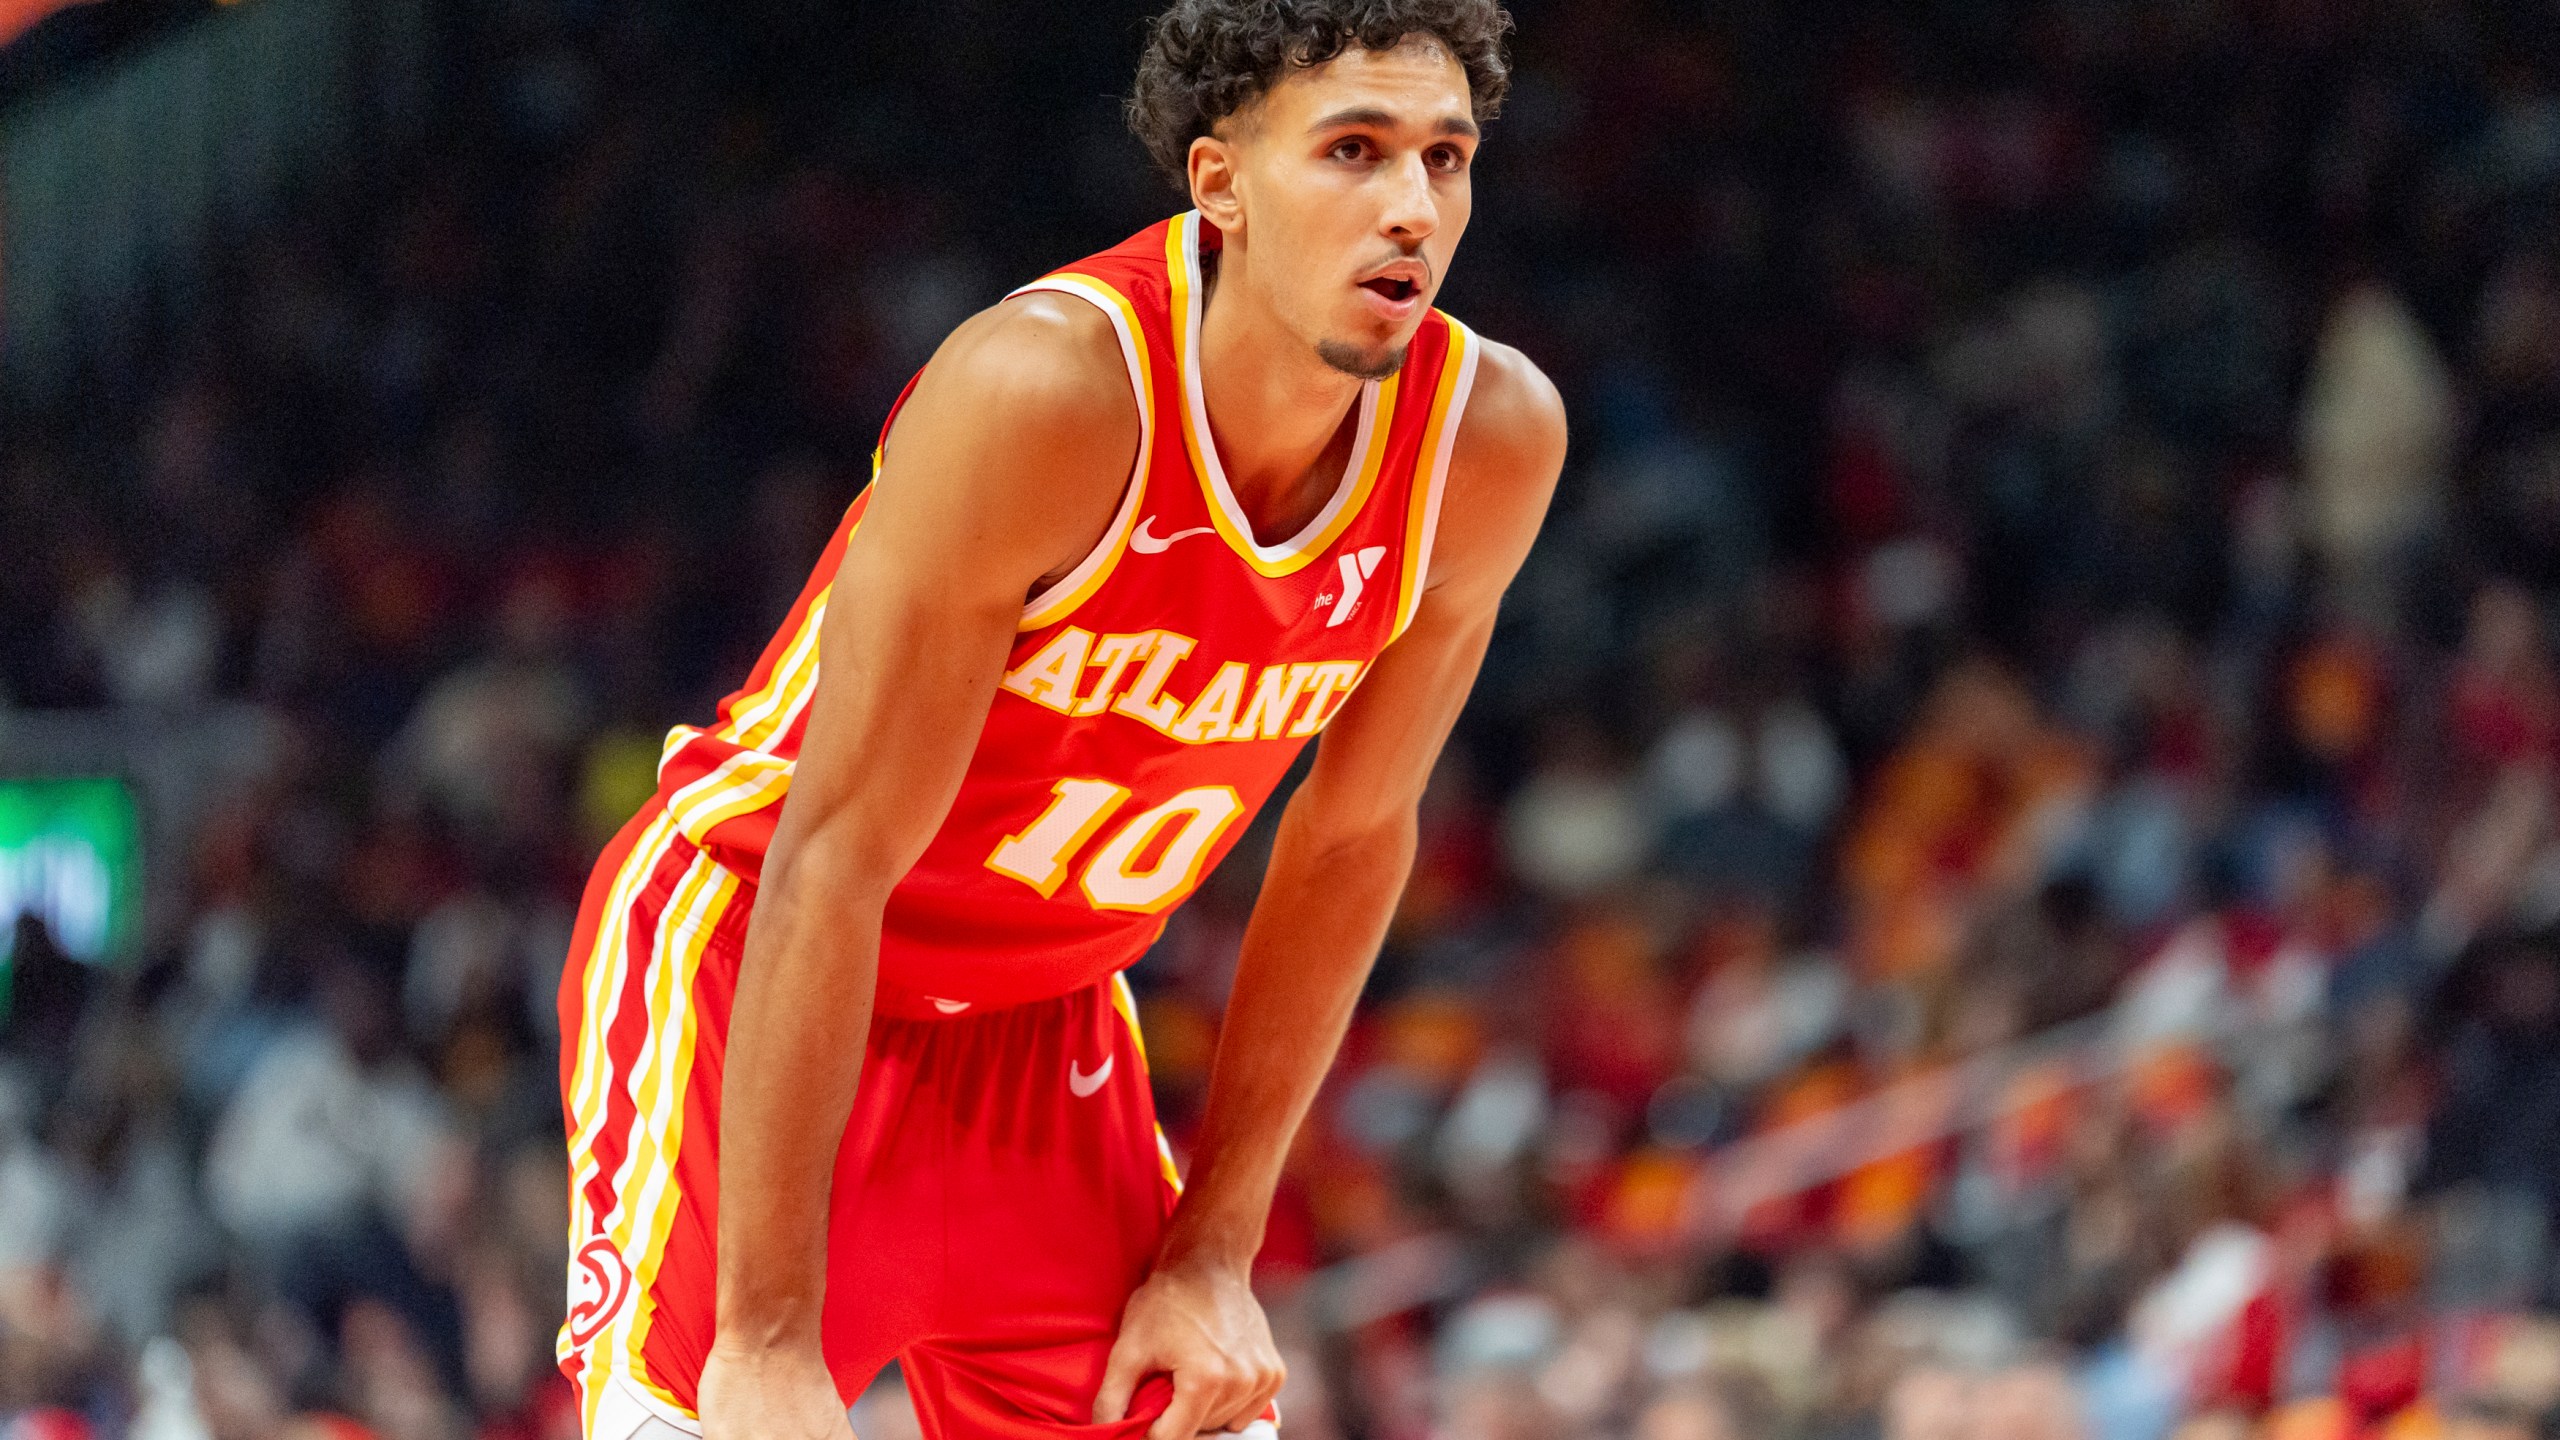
x=1413 y=207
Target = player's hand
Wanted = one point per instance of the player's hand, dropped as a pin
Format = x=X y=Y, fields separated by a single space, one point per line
x=755 y=1394
x=1201 y=1325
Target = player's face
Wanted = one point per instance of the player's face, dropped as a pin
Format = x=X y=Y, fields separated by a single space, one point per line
x=1351 y=189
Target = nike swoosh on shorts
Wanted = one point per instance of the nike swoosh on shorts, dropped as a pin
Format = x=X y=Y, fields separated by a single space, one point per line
x=1084 y=1085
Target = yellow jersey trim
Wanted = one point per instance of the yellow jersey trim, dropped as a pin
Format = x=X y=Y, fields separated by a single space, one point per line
x=1431 y=475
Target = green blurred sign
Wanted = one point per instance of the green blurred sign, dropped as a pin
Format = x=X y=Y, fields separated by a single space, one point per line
x=71 y=855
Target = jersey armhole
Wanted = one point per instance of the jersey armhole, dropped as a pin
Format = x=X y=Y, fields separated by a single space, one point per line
x=1056 y=602
x=1430 y=481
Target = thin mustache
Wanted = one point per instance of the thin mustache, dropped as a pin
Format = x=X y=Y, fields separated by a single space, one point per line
x=1416 y=257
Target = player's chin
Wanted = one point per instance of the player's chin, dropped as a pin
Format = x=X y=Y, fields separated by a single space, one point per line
x=1368 y=345
x=1364 y=359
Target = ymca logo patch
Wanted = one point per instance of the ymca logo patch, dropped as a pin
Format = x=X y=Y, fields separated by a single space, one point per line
x=598 y=1280
x=1344 y=597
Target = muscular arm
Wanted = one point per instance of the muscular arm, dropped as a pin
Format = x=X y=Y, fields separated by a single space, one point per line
x=1345 y=844
x=1006 y=465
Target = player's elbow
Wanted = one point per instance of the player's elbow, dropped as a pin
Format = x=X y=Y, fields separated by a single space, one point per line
x=1373 y=838
x=840 y=863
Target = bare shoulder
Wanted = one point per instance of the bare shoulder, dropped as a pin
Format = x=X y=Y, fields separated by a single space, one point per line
x=1502 y=473
x=1043 y=358
x=1016 y=445
x=1514 y=415
x=1032 y=393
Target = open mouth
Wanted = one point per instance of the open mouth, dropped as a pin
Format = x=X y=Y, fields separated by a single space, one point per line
x=1390 y=288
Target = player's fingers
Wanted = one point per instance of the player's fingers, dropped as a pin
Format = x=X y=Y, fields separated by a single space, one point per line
x=1265 y=1390
x=1120 y=1376
x=1188 y=1413
x=1253 y=1389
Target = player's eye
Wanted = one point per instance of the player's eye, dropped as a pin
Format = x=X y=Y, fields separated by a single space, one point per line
x=1352 y=148
x=1446 y=158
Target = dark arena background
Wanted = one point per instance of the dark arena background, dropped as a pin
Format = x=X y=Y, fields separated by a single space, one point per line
x=2001 y=879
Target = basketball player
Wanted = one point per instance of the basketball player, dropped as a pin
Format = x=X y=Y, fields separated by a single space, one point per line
x=854 y=1077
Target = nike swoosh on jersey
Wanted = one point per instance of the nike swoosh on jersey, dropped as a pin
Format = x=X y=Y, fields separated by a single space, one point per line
x=1147 y=544
x=1084 y=1085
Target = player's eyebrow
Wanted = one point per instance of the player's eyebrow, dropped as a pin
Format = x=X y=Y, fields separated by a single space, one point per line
x=1375 y=118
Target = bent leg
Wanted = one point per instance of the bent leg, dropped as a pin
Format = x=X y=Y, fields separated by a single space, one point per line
x=640 y=1087
x=1060 y=1187
x=641 y=1080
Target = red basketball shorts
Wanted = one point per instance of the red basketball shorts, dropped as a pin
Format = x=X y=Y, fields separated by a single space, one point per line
x=999 y=1190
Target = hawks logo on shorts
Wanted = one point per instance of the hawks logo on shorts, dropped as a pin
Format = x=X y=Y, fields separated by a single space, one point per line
x=598 y=1280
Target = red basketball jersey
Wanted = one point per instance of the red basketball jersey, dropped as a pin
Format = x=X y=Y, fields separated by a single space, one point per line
x=1154 y=696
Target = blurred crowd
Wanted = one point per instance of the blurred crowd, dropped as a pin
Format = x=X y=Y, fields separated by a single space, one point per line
x=2003 y=878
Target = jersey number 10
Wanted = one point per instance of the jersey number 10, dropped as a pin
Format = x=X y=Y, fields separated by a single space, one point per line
x=1040 y=854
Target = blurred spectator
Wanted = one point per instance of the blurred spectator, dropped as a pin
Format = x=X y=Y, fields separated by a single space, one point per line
x=2377 y=433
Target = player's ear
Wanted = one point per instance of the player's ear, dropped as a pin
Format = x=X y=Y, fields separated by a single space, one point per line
x=1213 y=182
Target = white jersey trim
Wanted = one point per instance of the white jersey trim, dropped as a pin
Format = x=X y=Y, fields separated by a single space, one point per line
x=1107 y=550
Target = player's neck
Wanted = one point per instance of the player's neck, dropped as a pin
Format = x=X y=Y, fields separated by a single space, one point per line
x=1278 y=412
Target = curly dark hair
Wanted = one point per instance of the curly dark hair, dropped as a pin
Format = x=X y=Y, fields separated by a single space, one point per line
x=1207 y=59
